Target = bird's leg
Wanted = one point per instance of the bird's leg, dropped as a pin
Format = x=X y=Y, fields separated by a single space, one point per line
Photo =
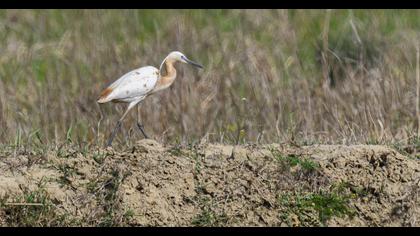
x=142 y=130
x=140 y=126
x=118 y=126
x=111 y=138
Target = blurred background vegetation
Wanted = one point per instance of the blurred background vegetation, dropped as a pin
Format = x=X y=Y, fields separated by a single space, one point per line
x=308 y=76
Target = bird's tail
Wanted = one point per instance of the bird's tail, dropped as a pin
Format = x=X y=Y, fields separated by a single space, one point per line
x=104 y=96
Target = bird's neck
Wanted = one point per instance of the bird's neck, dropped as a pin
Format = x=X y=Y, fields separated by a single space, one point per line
x=166 y=80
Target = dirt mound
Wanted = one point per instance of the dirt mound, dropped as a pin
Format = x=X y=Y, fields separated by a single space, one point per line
x=204 y=185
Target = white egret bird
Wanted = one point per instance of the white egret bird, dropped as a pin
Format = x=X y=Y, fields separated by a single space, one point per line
x=137 y=84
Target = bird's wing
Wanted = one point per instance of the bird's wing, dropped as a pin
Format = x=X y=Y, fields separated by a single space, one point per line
x=136 y=83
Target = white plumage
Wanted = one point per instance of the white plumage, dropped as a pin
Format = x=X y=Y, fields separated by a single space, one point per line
x=133 y=86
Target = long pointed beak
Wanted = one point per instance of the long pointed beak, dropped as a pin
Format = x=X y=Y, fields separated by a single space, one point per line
x=193 y=63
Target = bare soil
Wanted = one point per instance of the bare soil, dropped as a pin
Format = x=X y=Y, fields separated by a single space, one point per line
x=211 y=185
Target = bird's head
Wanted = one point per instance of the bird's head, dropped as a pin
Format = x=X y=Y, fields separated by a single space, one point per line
x=178 y=56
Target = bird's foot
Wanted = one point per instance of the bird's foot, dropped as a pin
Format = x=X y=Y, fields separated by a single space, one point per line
x=141 y=127
x=111 y=138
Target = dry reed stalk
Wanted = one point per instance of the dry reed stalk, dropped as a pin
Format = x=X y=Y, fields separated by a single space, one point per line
x=325 y=61
x=22 y=204
x=418 y=89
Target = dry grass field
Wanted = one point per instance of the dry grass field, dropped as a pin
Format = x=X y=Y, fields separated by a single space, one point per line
x=316 y=76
